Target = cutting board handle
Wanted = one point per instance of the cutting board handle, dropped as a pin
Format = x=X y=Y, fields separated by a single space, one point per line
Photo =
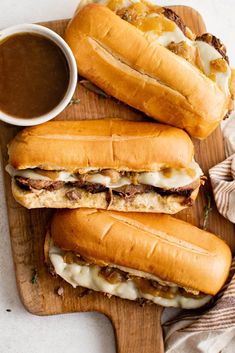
x=138 y=330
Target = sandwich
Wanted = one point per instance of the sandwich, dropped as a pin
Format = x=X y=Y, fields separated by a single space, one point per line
x=116 y=165
x=144 y=56
x=137 y=256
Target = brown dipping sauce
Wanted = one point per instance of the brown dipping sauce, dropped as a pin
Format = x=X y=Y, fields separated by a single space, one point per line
x=34 y=75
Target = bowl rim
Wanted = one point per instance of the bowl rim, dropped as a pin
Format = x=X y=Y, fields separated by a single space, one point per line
x=58 y=40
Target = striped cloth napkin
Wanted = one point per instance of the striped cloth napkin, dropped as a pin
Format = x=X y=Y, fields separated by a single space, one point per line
x=205 y=330
x=223 y=184
x=212 y=329
x=223 y=176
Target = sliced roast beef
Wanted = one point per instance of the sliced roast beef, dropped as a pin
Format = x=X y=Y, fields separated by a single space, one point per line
x=35 y=184
x=171 y=15
x=175 y=191
x=129 y=191
x=39 y=184
x=94 y=188
x=30 y=184
x=91 y=187
x=185 y=191
x=55 y=185
x=22 y=182
x=216 y=43
x=126 y=191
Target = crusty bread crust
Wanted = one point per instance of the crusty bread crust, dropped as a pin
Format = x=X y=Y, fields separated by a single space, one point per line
x=149 y=202
x=163 y=246
x=117 y=57
x=122 y=145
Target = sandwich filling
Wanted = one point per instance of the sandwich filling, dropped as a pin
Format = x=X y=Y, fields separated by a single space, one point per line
x=161 y=24
x=168 y=181
x=123 y=282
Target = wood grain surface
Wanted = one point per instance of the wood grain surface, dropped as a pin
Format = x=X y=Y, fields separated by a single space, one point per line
x=137 y=328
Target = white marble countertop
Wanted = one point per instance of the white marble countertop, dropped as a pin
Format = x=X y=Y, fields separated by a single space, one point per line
x=21 y=332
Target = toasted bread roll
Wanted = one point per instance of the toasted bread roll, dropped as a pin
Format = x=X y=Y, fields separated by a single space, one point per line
x=115 y=52
x=151 y=251
x=119 y=165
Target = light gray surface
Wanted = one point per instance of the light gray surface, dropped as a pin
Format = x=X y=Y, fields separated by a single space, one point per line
x=20 y=332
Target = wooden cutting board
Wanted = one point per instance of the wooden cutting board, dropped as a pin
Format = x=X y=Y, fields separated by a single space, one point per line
x=137 y=328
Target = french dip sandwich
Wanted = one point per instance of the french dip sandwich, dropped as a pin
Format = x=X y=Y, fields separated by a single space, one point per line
x=117 y=165
x=137 y=256
x=145 y=56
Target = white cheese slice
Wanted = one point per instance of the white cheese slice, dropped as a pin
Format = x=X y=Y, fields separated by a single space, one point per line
x=207 y=54
x=32 y=174
x=166 y=38
x=207 y=51
x=176 y=177
x=105 y=180
x=88 y=277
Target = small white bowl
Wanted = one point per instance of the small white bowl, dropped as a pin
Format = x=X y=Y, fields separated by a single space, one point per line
x=32 y=28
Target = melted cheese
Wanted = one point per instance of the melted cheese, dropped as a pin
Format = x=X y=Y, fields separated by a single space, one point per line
x=166 y=179
x=166 y=38
x=88 y=277
x=165 y=33
x=207 y=54
x=106 y=181
x=177 y=177
x=33 y=174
